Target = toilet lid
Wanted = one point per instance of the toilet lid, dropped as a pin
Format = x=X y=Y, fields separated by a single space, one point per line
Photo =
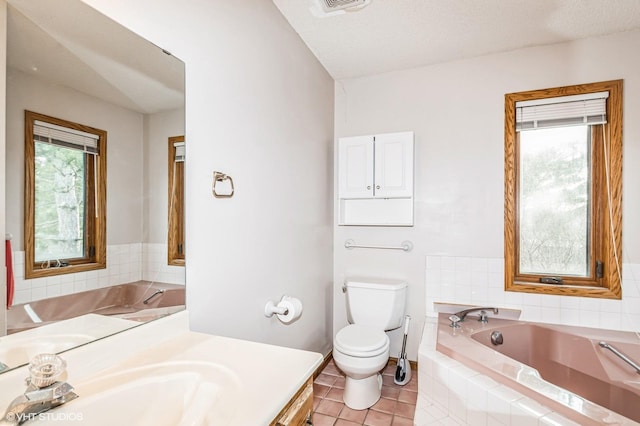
x=362 y=341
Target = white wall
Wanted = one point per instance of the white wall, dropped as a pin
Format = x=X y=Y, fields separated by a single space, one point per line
x=124 y=152
x=159 y=127
x=258 y=107
x=456 y=110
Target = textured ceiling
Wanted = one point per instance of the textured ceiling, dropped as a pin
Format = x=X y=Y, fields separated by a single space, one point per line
x=82 y=49
x=389 y=35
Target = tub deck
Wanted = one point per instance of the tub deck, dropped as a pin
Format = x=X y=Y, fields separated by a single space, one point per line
x=561 y=368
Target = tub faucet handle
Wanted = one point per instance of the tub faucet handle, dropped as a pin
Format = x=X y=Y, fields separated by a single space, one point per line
x=454 y=321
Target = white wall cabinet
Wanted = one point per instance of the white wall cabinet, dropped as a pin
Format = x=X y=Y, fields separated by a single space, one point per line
x=375 y=179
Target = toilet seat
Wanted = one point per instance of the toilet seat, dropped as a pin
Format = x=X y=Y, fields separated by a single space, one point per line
x=361 y=341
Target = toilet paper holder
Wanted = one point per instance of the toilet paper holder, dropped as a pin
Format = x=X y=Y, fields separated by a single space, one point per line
x=271 y=308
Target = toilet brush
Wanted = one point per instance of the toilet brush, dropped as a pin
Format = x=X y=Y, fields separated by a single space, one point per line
x=403 y=370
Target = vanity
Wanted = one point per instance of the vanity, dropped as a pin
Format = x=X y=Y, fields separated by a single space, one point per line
x=160 y=373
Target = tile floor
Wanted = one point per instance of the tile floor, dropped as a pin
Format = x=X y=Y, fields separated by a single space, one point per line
x=396 y=407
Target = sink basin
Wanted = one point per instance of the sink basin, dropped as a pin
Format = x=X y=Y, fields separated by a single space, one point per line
x=17 y=350
x=167 y=393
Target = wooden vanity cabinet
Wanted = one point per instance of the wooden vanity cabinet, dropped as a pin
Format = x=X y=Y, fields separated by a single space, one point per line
x=298 y=411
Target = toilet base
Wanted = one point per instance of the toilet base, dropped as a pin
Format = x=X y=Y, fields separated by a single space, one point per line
x=360 y=394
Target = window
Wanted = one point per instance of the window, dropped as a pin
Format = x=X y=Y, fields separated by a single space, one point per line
x=176 y=201
x=563 y=190
x=65 y=196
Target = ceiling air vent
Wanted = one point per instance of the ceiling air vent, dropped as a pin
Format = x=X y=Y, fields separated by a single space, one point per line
x=329 y=6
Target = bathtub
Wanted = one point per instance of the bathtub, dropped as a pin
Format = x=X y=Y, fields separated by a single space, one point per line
x=548 y=370
x=124 y=301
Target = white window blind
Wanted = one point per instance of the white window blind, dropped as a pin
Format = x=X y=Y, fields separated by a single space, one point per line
x=63 y=136
x=179 y=152
x=590 y=108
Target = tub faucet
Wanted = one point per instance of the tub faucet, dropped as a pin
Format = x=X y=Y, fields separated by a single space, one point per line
x=37 y=400
x=460 y=316
x=157 y=292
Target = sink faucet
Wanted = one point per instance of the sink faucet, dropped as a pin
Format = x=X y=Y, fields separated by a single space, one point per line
x=43 y=391
x=460 y=316
x=37 y=400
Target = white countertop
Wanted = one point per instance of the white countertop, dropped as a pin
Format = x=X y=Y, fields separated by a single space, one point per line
x=259 y=379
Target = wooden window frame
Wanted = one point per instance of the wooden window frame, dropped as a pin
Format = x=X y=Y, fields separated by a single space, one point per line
x=607 y=228
x=95 y=221
x=175 y=238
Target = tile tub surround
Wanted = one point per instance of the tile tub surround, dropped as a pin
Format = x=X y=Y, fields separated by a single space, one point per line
x=125 y=263
x=396 y=406
x=480 y=281
x=451 y=393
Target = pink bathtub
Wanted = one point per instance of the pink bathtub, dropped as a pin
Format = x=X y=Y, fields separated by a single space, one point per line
x=122 y=300
x=561 y=367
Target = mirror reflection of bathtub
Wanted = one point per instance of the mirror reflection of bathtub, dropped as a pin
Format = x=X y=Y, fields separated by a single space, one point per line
x=111 y=79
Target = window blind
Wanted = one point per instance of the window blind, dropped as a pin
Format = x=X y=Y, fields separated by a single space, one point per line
x=590 y=108
x=66 y=137
x=179 y=152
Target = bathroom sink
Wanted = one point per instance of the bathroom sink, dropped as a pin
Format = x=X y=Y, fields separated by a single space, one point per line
x=16 y=350
x=167 y=393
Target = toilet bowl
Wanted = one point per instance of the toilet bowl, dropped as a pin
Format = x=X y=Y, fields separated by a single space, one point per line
x=361 y=352
x=361 y=349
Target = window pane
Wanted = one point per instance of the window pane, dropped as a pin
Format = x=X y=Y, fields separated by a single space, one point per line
x=554 y=201
x=59 y=202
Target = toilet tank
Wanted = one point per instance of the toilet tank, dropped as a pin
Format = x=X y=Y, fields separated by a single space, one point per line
x=376 y=302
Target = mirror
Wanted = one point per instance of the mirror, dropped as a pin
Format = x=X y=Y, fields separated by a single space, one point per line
x=70 y=62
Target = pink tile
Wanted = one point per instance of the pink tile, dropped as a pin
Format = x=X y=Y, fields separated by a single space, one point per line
x=390 y=392
x=385 y=405
x=405 y=410
x=322 y=420
x=342 y=422
x=353 y=415
x=408 y=396
x=390 y=369
x=376 y=418
x=387 y=380
x=325 y=379
x=330 y=408
x=335 y=394
x=339 y=382
x=320 y=390
x=401 y=421
x=332 y=370
x=413 y=383
x=316 y=401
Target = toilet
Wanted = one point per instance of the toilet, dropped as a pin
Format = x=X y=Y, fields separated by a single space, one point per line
x=361 y=349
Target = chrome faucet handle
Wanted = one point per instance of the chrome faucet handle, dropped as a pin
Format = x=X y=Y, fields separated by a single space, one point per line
x=454 y=321
x=483 y=317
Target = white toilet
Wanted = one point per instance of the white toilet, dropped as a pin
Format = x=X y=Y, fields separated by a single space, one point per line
x=361 y=349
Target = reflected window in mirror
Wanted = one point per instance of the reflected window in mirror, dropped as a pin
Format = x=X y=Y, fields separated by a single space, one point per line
x=176 y=156
x=65 y=196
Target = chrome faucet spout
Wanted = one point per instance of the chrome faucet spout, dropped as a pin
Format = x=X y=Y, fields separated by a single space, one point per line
x=460 y=316
x=37 y=400
x=3 y=367
x=157 y=292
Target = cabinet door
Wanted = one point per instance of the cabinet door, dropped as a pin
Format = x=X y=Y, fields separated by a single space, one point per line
x=394 y=165
x=355 y=167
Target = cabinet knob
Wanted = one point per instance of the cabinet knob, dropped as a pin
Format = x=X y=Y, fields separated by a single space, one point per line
x=369 y=187
x=377 y=186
